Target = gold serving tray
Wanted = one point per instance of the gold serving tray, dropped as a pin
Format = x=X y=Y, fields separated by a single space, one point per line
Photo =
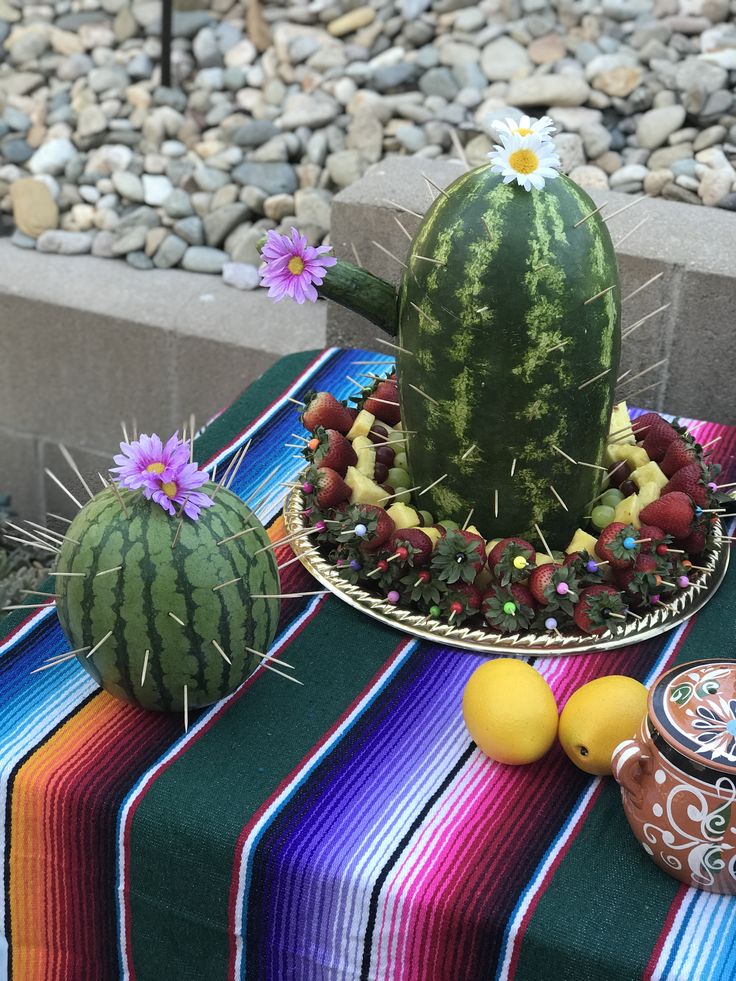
x=661 y=618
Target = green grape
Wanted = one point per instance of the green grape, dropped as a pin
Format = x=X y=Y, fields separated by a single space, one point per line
x=400 y=460
x=611 y=498
x=401 y=496
x=398 y=477
x=427 y=519
x=449 y=525
x=602 y=516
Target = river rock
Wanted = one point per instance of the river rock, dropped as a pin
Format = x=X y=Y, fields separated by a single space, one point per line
x=715 y=184
x=656 y=125
x=201 y=259
x=218 y=224
x=156 y=189
x=64 y=243
x=34 y=208
x=548 y=90
x=308 y=110
x=170 y=252
x=503 y=60
x=52 y=157
x=128 y=185
x=276 y=178
x=240 y=275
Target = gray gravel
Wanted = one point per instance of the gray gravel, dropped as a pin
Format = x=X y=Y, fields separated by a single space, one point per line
x=267 y=120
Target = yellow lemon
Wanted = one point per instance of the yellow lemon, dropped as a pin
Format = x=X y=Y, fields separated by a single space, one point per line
x=598 y=717
x=510 y=711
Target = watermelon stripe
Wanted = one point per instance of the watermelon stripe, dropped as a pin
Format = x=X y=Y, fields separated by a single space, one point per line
x=476 y=331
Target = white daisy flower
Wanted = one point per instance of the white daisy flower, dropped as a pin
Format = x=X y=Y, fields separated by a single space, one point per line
x=526 y=126
x=529 y=160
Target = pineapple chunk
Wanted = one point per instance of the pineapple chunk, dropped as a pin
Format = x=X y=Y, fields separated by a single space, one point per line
x=649 y=473
x=621 y=424
x=543 y=558
x=403 y=516
x=635 y=456
x=362 y=443
x=431 y=531
x=581 y=542
x=484 y=579
x=362 y=425
x=367 y=462
x=628 y=511
x=474 y=531
x=363 y=489
x=491 y=545
x=648 y=493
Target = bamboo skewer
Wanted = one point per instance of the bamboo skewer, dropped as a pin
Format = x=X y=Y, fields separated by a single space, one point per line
x=63 y=487
x=75 y=469
x=99 y=644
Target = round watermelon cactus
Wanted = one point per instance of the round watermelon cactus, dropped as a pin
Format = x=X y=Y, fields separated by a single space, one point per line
x=158 y=601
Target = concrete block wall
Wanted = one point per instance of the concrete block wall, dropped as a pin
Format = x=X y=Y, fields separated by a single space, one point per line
x=86 y=343
x=693 y=247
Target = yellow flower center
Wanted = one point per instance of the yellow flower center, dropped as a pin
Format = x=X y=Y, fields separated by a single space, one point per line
x=155 y=468
x=523 y=131
x=524 y=161
x=296 y=265
x=169 y=488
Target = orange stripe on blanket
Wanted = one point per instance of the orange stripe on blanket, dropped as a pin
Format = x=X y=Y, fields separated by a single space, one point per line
x=51 y=871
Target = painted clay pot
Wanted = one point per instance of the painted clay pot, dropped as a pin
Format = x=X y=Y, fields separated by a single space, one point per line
x=678 y=776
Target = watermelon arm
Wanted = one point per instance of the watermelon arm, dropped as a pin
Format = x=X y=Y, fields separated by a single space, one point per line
x=364 y=293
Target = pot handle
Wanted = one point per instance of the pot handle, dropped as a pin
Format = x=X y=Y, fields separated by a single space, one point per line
x=630 y=761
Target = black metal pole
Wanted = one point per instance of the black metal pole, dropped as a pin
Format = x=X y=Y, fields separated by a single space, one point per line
x=166 y=42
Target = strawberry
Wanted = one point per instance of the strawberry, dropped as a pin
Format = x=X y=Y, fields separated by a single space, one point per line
x=378 y=524
x=417 y=545
x=584 y=567
x=383 y=402
x=658 y=438
x=556 y=589
x=459 y=555
x=333 y=451
x=420 y=587
x=461 y=601
x=691 y=481
x=503 y=563
x=540 y=578
x=617 y=545
x=641 y=426
x=323 y=409
x=679 y=454
x=508 y=609
x=694 y=543
x=594 y=608
x=327 y=487
x=656 y=536
x=640 y=581
x=672 y=512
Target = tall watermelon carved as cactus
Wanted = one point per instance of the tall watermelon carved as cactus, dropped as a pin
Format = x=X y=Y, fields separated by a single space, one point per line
x=507 y=319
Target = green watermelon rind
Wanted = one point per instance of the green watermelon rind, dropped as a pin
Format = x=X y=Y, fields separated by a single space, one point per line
x=156 y=579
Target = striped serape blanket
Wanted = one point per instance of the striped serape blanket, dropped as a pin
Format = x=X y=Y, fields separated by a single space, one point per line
x=345 y=829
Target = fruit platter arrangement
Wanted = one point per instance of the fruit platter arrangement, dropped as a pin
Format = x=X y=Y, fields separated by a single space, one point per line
x=650 y=553
x=482 y=485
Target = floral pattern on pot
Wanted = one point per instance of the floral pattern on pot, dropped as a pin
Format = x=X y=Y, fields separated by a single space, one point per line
x=694 y=708
x=678 y=775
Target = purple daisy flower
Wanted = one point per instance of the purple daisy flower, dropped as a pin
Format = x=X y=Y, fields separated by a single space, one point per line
x=293 y=268
x=163 y=472
x=182 y=489
x=146 y=461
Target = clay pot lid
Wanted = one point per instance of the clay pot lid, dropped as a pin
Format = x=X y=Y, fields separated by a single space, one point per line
x=693 y=706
